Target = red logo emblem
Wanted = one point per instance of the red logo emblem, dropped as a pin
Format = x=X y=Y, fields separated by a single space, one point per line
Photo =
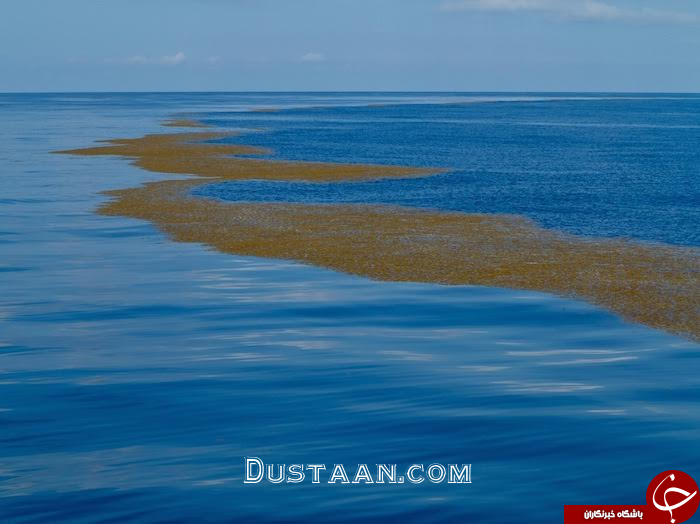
x=673 y=495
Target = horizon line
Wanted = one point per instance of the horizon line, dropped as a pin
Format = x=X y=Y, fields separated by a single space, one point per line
x=358 y=91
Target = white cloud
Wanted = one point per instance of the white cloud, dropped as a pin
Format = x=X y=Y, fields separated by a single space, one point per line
x=592 y=10
x=175 y=59
x=313 y=57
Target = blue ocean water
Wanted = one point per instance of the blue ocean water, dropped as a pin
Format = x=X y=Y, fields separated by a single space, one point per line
x=136 y=373
x=596 y=166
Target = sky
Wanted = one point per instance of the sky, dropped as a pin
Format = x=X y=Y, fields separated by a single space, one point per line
x=350 y=45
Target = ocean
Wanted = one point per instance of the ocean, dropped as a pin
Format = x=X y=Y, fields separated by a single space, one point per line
x=136 y=372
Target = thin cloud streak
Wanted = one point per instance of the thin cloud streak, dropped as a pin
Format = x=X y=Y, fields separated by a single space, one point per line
x=313 y=57
x=176 y=59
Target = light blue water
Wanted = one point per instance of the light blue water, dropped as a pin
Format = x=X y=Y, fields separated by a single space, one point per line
x=136 y=373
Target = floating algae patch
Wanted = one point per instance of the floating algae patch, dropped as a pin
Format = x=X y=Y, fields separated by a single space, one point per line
x=653 y=284
x=184 y=122
x=194 y=154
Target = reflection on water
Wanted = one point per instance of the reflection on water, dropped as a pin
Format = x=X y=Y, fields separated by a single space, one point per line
x=135 y=373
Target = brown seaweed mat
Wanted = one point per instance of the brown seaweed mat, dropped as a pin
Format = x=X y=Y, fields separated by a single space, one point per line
x=656 y=285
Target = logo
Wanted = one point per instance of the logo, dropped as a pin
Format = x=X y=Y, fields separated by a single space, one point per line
x=674 y=494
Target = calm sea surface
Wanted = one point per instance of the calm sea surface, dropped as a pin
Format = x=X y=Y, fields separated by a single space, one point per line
x=136 y=373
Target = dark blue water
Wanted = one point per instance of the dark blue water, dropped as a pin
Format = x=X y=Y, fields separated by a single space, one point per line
x=624 y=167
x=136 y=373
